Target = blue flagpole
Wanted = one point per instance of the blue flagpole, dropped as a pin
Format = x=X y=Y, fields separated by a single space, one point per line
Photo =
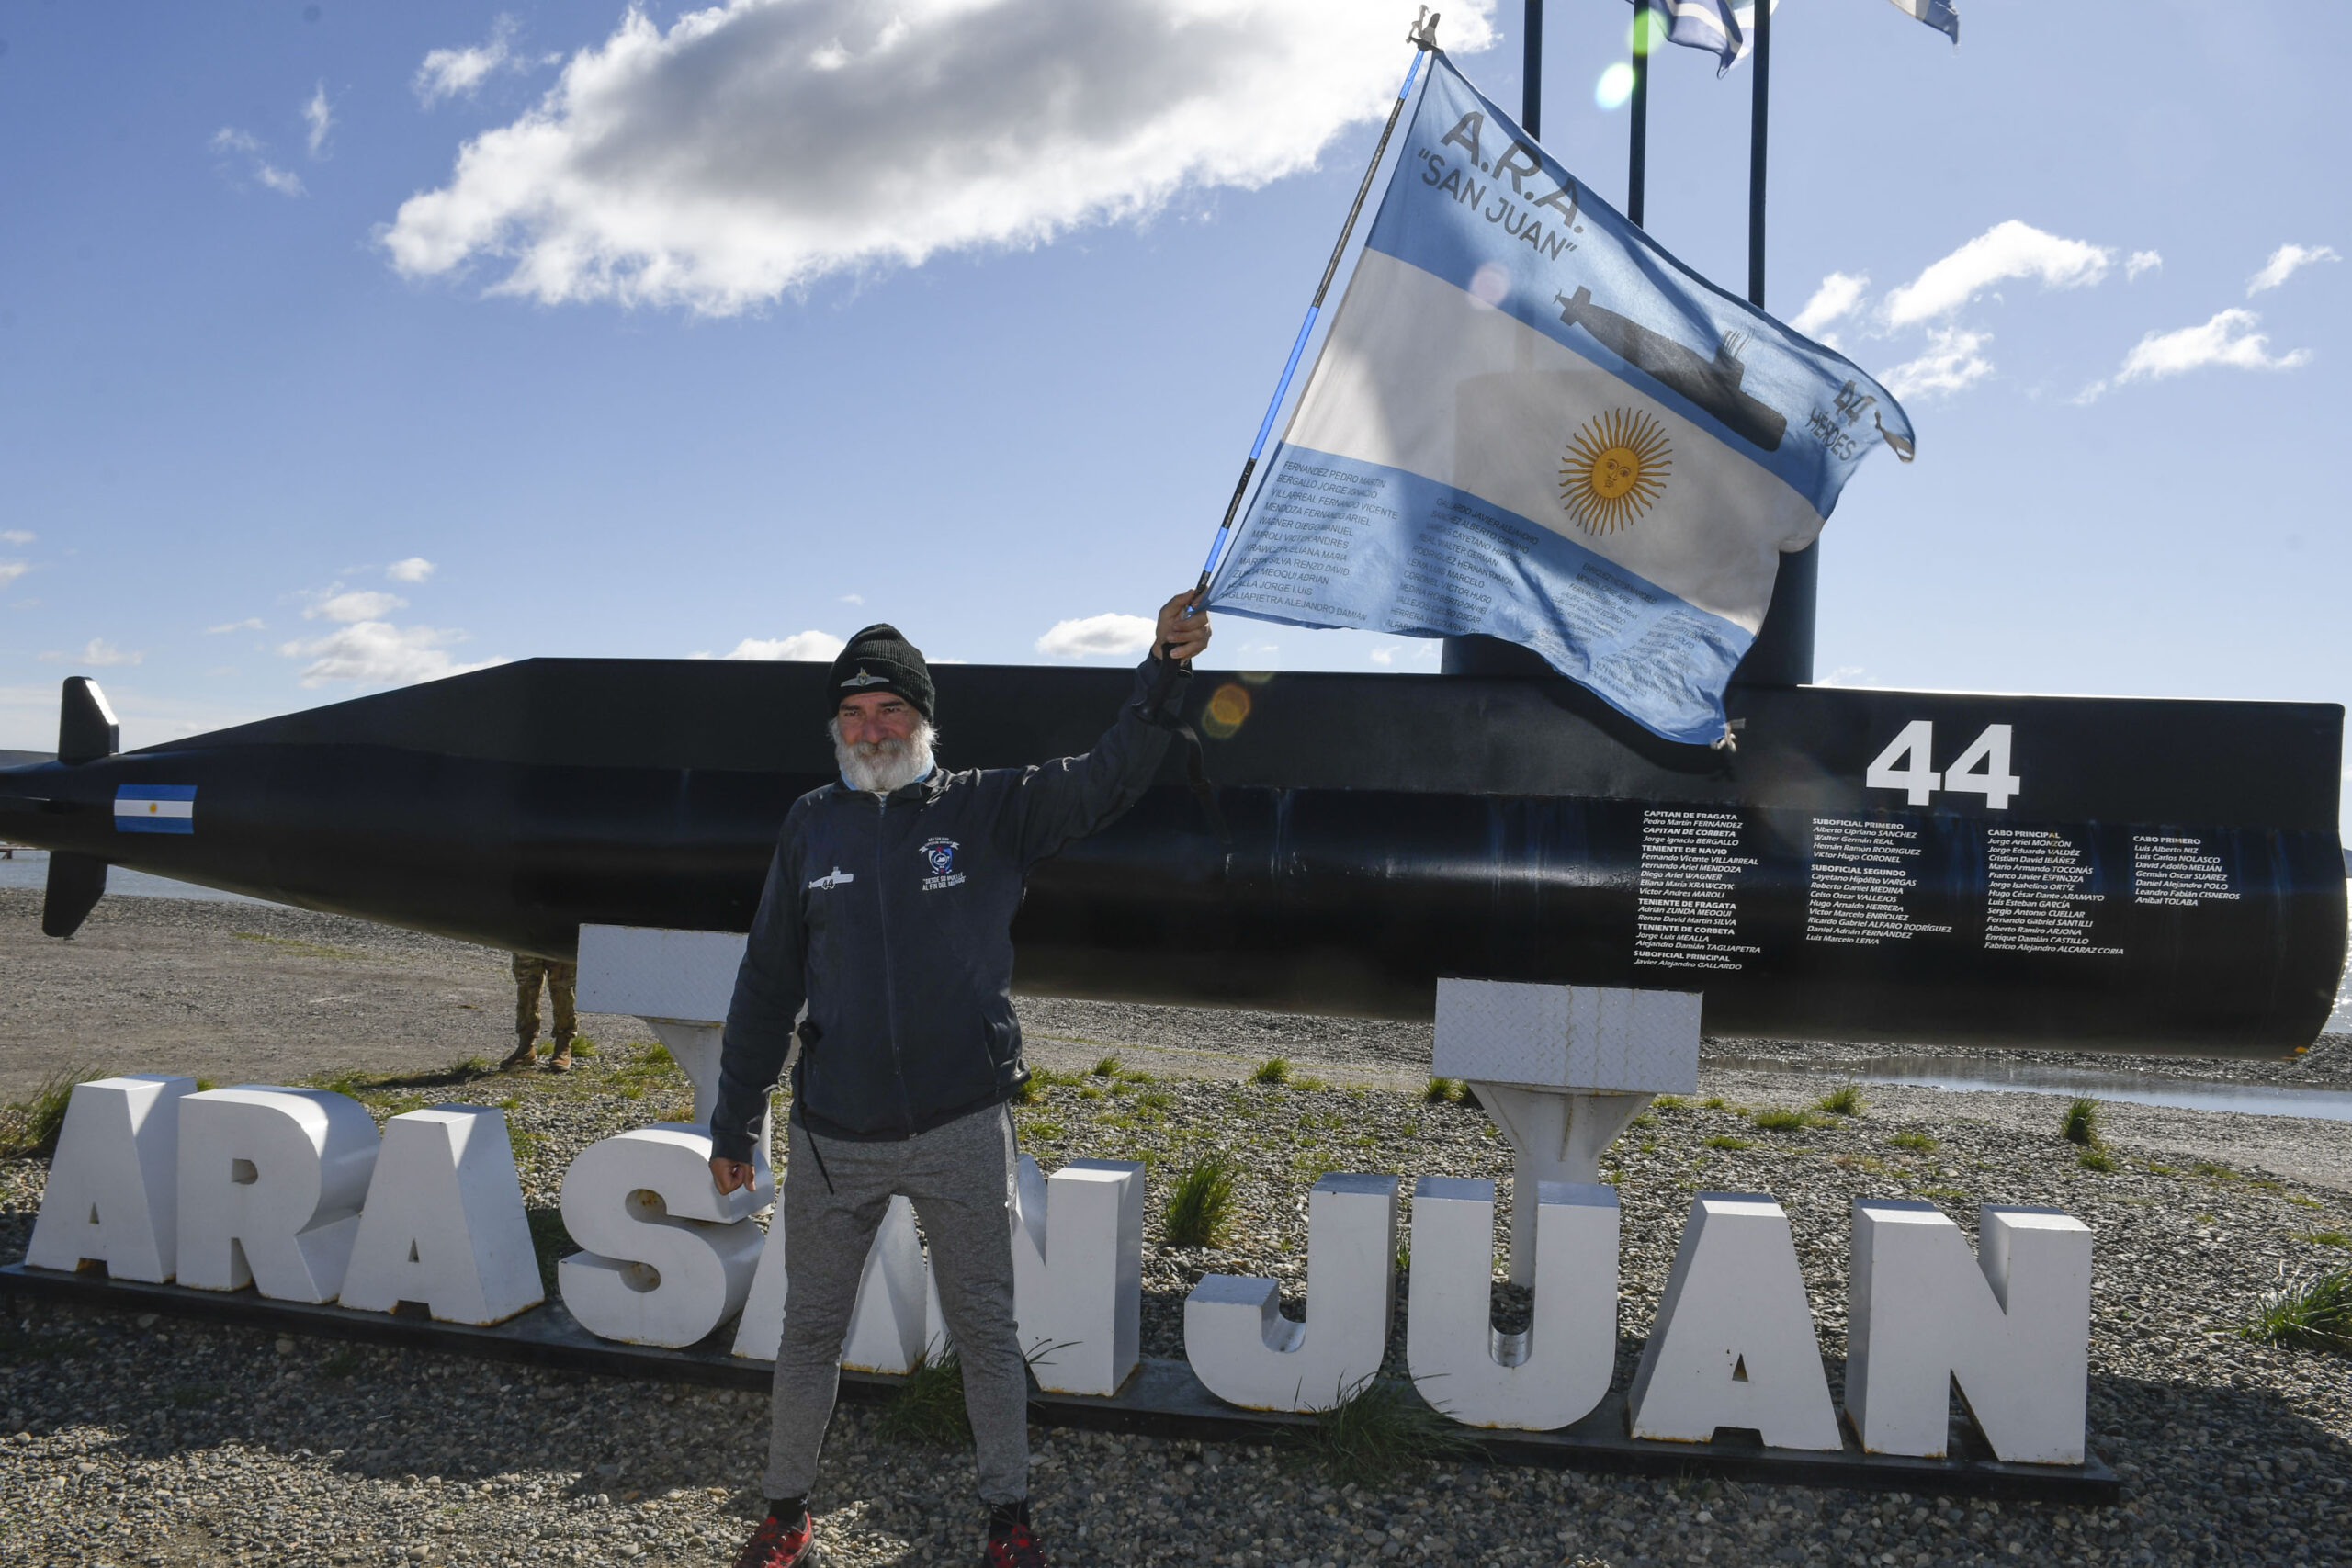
x=1424 y=39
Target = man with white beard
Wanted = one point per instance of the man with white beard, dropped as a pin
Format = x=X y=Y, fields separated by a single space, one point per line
x=888 y=913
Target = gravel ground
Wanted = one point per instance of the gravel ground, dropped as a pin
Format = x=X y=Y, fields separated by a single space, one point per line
x=244 y=993
x=143 y=1441
x=130 y=1440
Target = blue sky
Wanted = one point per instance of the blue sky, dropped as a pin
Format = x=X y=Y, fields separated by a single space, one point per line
x=343 y=345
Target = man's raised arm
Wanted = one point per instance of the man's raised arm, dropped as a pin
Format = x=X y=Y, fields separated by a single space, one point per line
x=1073 y=797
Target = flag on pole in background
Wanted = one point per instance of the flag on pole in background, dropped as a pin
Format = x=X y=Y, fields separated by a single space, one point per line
x=1716 y=26
x=1727 y=31
x=1528 y=421
x=1936 y=13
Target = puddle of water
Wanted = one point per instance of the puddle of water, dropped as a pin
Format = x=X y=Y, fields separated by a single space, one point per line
x=29 y=868
x=2133 y=1089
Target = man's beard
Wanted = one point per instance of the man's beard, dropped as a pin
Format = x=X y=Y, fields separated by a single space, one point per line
x=883 y=766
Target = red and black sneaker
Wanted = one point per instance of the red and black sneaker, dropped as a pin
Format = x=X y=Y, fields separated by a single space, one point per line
x=1011 y=1543
x=780 y=1545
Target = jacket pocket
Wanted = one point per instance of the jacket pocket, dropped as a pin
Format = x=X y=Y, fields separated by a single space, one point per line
x=1003 y=1039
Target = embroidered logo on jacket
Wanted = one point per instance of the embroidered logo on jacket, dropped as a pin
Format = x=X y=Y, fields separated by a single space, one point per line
x=838 y=878
x=939 y=855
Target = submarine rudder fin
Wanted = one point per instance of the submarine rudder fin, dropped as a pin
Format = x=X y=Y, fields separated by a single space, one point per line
x=87 y=731
x=76 y=883
x=86 y=727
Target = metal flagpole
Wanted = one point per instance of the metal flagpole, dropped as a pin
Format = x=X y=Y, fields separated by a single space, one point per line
x=1782 y=652
x=1531 y=69
x=1638 y=157
x=1758 y=114
x=1424 y=39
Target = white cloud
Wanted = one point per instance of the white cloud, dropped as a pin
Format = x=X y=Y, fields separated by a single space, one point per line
x=812 y=647
x=756 y=145
x=2284 y=263
x=2229 y=339
x=98 y=652
x=231 y=142
x=2008 y=250
x=360 y=604
x=2138 y=262
x=379 y=653
x=318 y=115
x=1839 y=294
x=858 y=599
x=416 y=568
x=456 y=72
x=12 y=569
x=15 y=536
x=250 y=624
x=1954 y=360
x=1093 y=634
x=1844 y=675
x=1384 y=656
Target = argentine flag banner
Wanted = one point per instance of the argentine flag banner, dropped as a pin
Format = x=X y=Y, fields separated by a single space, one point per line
x=1529 y=421
x=154 y=808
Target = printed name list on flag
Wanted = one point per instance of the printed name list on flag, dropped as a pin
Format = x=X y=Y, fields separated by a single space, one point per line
x=1529 y=421
x=154 y=808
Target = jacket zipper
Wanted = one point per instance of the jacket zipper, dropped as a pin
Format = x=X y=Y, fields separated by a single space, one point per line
x=889 y=988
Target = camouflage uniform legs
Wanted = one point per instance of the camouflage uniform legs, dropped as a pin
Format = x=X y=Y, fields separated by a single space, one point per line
x=529 y=972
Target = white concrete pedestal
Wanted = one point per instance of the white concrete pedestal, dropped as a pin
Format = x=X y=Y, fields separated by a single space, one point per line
x=1561 y=1070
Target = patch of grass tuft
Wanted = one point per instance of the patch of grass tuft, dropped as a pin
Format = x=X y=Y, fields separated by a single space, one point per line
x=1783 y=1119
x=2097 y=1159
x=2080 y=1124
x=351 y=1084
x=1913 y=1139
x=2313 y=1311
x=1106 y=1067
x=1716 y=1102
x=1377 y=1429
x=929 y=1406
x=1443 y=1091
x=1725 y=1140
x=2327 y=1238
x=1272 y=1070
x=1846 y=1099
x=29 y=1127
x=1669 y=1102
x=1201 y=1203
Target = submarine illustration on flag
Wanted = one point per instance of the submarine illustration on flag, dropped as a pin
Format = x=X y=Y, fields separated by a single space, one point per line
x=1713 y=384
x=2116 y=874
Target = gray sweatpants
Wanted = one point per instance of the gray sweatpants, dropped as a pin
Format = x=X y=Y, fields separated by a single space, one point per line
x=961 y=1180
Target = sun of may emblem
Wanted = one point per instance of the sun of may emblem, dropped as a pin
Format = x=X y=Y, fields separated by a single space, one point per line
x=1614 y=470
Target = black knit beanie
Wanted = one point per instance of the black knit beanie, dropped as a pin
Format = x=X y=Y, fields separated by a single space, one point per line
x=878 y=659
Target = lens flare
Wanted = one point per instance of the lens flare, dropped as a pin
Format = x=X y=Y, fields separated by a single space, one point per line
x=1616 y=84
x=1227 y=711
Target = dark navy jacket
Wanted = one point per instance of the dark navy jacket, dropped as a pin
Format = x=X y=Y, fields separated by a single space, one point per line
x=892 y=920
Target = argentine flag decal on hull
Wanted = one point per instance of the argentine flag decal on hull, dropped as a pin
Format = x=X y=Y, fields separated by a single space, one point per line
x=1529 y=422
x=154 y=808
